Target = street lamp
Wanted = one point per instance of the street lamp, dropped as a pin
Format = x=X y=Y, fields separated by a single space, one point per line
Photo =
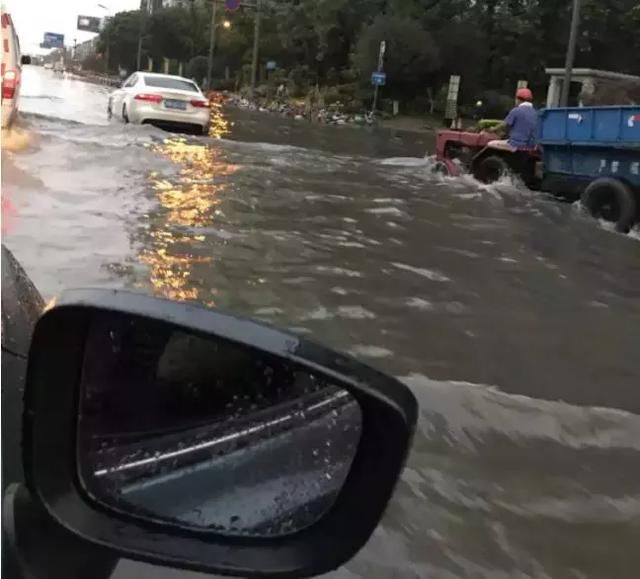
x=212 y=41
x=226 y=24
x=255 y=4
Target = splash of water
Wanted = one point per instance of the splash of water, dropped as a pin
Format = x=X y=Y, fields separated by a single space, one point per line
x=16 y=139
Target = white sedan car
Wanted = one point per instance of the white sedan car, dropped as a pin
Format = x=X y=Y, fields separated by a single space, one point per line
x=11 y=69
x=166 y=101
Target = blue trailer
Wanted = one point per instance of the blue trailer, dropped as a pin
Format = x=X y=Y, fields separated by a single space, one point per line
x=593 y=154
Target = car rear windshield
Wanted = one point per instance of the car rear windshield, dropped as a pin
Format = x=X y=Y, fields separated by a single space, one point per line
x=171 y=83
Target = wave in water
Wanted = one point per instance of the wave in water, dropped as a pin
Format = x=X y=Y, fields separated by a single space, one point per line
x=504 y=486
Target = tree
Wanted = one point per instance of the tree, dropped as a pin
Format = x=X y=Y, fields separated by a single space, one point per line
x=491 y=43
x=121 y=34
x=412 y=57
x=170 y=30
x=197 y=68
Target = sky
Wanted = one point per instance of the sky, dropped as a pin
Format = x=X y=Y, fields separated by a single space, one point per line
x=32 y=18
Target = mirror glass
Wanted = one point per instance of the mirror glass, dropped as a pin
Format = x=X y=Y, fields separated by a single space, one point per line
x=205 y=433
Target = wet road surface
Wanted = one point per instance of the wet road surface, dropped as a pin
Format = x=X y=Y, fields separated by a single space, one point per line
x=515 y=319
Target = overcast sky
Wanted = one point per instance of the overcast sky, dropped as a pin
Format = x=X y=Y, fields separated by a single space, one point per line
x=33 y=18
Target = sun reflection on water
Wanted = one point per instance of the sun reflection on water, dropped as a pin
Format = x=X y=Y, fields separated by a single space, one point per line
x=188 y=201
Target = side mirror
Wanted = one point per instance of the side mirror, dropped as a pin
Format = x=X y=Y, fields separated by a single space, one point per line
x=194 y=439
x=25 y=59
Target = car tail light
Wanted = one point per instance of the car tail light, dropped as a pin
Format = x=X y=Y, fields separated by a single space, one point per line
x=200 y=104
x=150 y=98
x=9 y=83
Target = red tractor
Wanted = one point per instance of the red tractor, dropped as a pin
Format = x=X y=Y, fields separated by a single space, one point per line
x=460 y=152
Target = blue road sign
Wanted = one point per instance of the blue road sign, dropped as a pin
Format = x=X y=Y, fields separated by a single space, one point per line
x=53 y=40
x=378 y=78
x=232 y=5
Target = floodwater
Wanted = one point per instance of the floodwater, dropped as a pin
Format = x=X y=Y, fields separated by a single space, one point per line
x=515 y=319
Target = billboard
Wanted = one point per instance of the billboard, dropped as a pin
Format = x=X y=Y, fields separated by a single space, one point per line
x=53 y=40
x=89 y=23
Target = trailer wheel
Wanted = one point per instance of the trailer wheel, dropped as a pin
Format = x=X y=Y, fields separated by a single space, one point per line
x=612 y=200
x=490 y=169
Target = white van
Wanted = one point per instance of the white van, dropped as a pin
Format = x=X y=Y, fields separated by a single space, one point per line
x=12 y=63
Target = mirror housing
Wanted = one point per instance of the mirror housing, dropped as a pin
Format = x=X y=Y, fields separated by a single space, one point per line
x=50 y=444
x=25 y=59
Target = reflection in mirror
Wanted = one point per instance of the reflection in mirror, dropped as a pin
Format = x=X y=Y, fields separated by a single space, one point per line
x=205 y=433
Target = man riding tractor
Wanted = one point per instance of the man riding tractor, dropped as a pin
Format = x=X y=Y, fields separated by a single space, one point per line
x=517 y=153
x=488 y=157
x=521 y=124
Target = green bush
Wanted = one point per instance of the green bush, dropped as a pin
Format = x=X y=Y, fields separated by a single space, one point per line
x=299 y=81
x=331 y=95
x=332 y=77
x=263 y=91
x=348 y=90
x=354 y=106
x=223 y=84
x=348 y=75
x=197 y=68
x=278 y=77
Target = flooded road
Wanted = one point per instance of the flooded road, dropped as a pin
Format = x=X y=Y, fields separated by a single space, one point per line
x=515 y=319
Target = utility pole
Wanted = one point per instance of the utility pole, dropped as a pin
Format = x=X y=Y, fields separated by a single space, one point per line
x=256 y=44
x=212 y=42
x=383 y=48
x=571 y=53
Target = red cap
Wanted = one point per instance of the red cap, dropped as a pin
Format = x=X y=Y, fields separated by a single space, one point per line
x=524 y=94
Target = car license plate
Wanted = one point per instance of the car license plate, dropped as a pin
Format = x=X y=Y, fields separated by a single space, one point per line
x=174 y=104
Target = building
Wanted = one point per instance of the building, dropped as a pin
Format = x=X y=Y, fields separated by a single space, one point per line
x=151 y=6
x=597 y=87
x=86 y=49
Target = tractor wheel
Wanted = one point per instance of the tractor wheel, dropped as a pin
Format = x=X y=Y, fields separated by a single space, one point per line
x=491 y=169
x=440 y=168
x=612 y=200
